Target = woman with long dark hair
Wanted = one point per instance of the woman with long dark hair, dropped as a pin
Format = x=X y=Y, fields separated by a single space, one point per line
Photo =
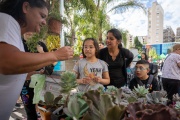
x=16 y=18
x=117 y=58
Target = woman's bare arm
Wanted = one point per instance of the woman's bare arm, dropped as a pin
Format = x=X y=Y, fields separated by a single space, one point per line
x=13 y=61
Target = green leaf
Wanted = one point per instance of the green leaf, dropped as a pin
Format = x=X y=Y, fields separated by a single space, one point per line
x=105 y=103
x=48 y=98
x=115 y=113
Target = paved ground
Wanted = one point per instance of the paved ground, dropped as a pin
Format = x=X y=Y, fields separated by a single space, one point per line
x=18 y=114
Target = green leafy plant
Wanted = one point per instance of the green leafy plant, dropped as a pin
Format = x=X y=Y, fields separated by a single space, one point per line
x=156 y=97
x=140 y=91
x=76 y=107
x=52 y=42
x=51 y=103
x=77 y=47
x=68 y=82
x=111 y=89
x=54 y=9
x=32 y=42
x=101 y=107
x=177 y=106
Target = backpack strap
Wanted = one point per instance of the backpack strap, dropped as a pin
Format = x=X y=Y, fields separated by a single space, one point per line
x=139 y=81
x=148 y=83
x=150 y=80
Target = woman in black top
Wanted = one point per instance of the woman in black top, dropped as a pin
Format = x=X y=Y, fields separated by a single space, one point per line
x=117 y=58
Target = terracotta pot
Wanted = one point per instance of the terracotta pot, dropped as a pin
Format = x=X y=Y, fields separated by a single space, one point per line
x=45 y=115
x=54 y=26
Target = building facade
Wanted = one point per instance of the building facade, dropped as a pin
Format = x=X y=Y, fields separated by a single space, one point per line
x=177 y=39
x=155 y=24
x=168 y=35
x=142 y=39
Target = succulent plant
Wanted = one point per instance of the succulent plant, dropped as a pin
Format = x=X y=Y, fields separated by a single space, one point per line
x=140 y=91
x=101 y=107
x=76 y=107
x=176 y=97
x=139 y=111
x=50 y=102
x=156 y=97
x=68 y=82
x=111 y=89
x=177 y=106
x=95 y=86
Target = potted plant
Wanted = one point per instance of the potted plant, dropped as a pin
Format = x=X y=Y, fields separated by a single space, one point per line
x=52 y=107
x=54 y=18
x=49 y=105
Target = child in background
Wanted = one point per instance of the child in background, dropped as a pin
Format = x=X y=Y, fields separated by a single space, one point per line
x=57 y=66
x=142 y=77
x=90 y=69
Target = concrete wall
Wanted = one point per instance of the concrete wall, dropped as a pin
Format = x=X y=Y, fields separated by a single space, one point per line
x=69 y=64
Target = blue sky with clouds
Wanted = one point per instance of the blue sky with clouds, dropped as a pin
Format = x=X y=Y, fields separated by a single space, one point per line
x=135 y=21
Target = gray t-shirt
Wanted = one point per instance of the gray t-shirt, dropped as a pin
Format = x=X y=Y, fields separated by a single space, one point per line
x=83 y=67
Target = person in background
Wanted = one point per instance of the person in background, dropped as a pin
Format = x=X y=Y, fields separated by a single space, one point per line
x=101 y=45
x=130 y=74
x=27 y=93
x=90 y=69
x=57 y=66
x=144 y=56
x=142 y=77
x=117 y=58
x=171 y=73
x=150 y=59
x=161 y=64
x=17 y=18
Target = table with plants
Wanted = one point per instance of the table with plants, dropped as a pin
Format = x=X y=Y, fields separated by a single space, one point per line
x=98 y=103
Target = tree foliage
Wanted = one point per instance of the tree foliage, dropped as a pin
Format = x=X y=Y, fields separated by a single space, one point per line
x=137 y=44
x=124 y=37
x=52 y=42
x=152 y=52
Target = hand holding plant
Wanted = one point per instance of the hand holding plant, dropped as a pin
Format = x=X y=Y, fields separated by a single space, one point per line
x=97 y=79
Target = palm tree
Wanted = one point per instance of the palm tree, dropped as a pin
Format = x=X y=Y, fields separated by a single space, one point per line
x=99 y=12
x=88 y=18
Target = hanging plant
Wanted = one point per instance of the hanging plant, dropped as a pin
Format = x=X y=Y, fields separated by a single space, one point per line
x=32 y=42
x=53 y=41
x=78 y=47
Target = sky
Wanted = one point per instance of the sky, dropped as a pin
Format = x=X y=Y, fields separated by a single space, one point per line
x=136 y=21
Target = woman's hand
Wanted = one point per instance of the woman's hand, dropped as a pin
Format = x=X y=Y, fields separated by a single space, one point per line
x=64 y=53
